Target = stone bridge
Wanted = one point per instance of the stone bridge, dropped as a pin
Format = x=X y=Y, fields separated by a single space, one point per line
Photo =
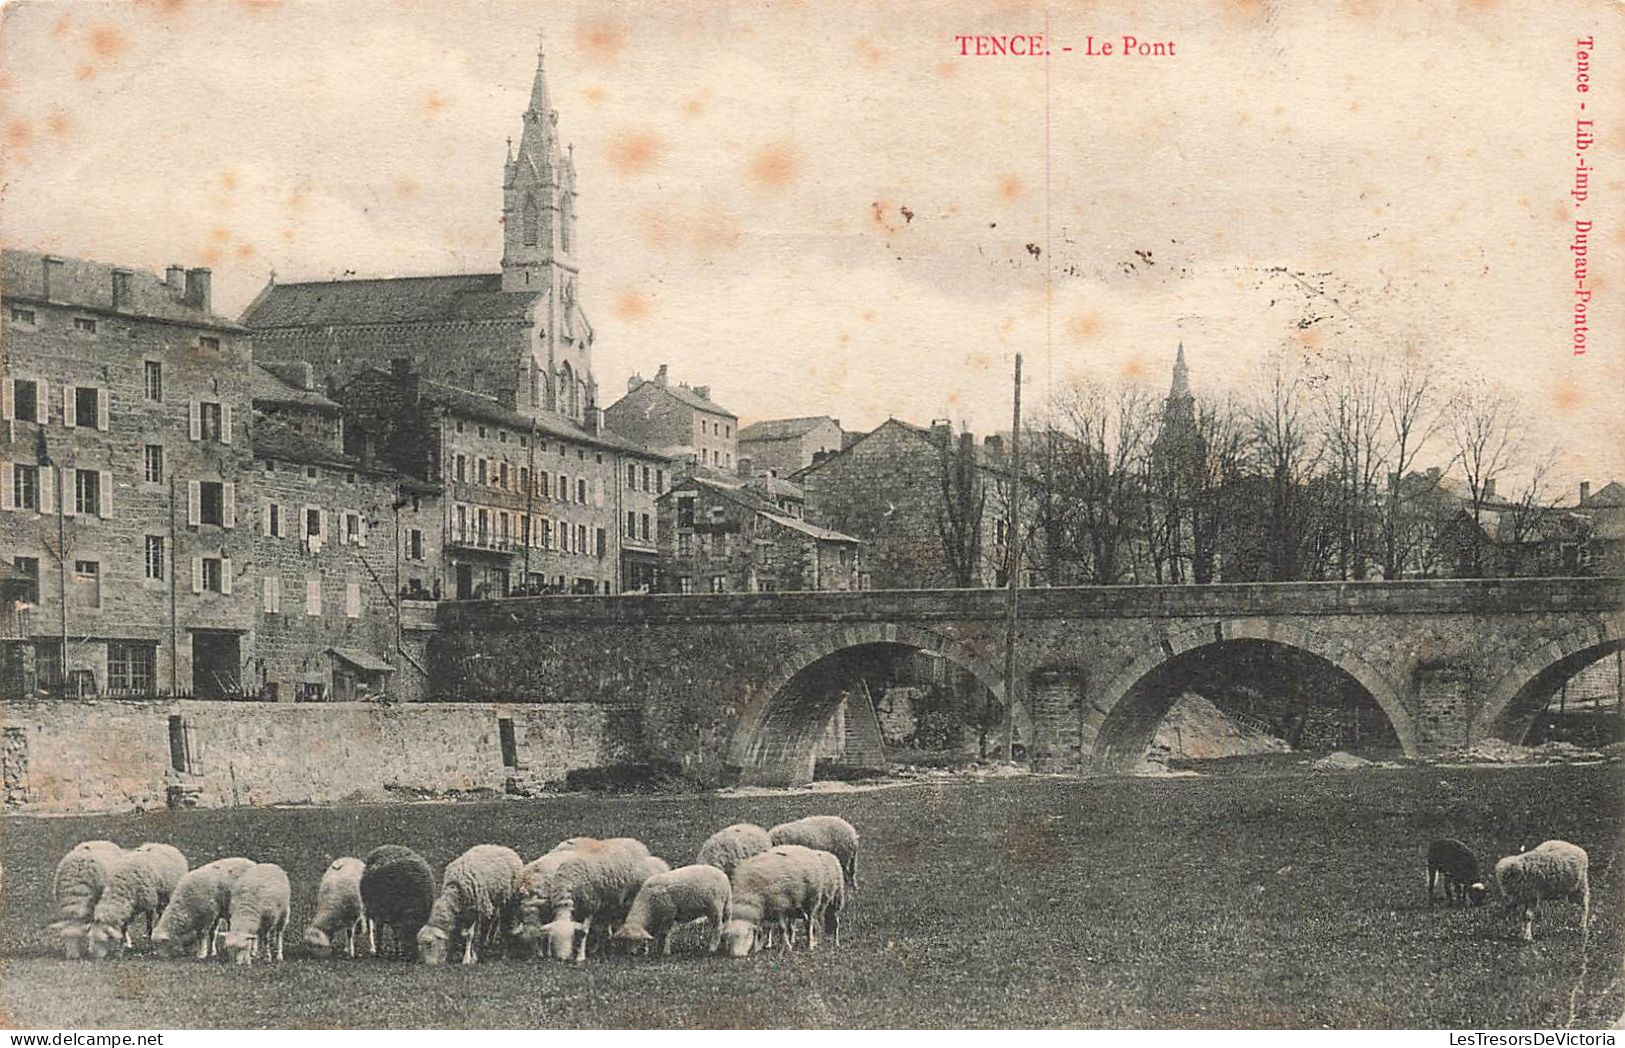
x=738 y=685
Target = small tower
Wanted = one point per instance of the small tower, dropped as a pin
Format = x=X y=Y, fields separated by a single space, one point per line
x=538 y=200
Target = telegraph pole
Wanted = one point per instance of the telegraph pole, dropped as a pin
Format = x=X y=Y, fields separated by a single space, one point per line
x=1013 y=571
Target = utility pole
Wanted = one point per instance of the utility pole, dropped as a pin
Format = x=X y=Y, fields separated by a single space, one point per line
x=1012 y=540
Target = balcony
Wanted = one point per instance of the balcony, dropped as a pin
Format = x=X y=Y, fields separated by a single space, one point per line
x=485 y=541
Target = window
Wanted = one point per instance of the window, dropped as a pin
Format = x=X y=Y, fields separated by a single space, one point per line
x=25 y=400
x=502 y=436
x=581 y=538
x=547 y=534
x=87 y=492
x=352 y=528
x=482 y=525
x=87 y=407
x=685 y=511
x=460 y=469
x=311 y=691
x=211 y=502
x=524 y=480
x=209 y=343
x=21 y=316
x=209 y=418
x=87 y=580
x=155 y=380
x=131 y=668
x=482 y=431
x=483 y=474
x=502 y=476
x=154 y=457
x=581 y=490
x=564 y=488
x=414 y=544
x=462 y=523
x=272 y=594
x=602 y=543
x=631 y=476
x=660 y=482
x=273 y=520
x=502 y=528
x=644 y=529
x=24 y=487
x=542 y=484
x=510 y=745
x=685 y=543
x=645 y=478
x=631 y=525
x=213 y=575
x=28 y=566
x=84 y=324
x=313 y=523
x=685 y=585
x=719 y=583
x=155 y=557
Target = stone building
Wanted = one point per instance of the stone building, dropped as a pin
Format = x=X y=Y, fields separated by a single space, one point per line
x=782 y=446
x=532 y=502
x=680 y=422
x=125 y=413
x=518 y=336
x=722 y=538
x=928 y=505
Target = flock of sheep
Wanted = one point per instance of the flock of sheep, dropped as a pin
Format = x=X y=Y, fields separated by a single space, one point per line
x=746 y=884
x=1550 y=870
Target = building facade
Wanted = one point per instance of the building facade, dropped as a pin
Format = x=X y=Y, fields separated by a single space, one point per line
x=680 y=422
x=723 y=538
x=782 y=446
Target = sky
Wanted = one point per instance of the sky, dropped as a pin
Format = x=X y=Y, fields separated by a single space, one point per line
x=823 y=208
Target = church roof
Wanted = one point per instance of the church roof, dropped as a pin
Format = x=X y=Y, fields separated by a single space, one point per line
x=389 y=300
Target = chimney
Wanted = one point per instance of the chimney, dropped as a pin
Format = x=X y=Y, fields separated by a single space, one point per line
x=1489 y=489
x=660 y=376
x=994 y=444
x=121 y=289
x=406 y=379
x=175 y=278
x=1585 y=491
x=967 y=445
x=941 y=431
x=198 y=283
x=703 y=392
x=634 y=382
x=50 y=266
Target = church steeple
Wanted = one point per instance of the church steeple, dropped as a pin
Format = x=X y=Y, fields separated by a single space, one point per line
x=1182 y=377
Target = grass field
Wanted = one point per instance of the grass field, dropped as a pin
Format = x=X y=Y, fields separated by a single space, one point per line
x=1270 y=900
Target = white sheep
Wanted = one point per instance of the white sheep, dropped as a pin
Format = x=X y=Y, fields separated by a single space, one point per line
x=772 y=890
x=77 y=887
x=665 y=900
x=200 y=905
x=339 y=910
x=1550 y=870
x=731 y=845
x=260 y=901
x=593 y=881
x=831 y=900
x=477 y=896
x=141 y=883
x=829 y=833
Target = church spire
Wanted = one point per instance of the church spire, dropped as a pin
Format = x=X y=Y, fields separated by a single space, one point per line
x=1182 y=377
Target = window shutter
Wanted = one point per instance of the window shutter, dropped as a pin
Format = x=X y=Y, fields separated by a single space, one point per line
x=194 y=423
x=344 y=528
x=225 y=575
x=361 y=531
x=598 y=492
x=102 y=404
x=313 y=596
x=228 y=504
x=268 y=598
x=47 y=489
x=8 y=395
x=104 y=480
x=324 y=532
x=265 y=524
x=352 y=600
x=70 y=492
x=67 y=407
x=225 y=423
x=7 y=477
x=197 y=574
x=194 y=503
x=42 y=402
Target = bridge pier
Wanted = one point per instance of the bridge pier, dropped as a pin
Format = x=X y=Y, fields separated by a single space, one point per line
x=1055 y=698
x=1447 y=691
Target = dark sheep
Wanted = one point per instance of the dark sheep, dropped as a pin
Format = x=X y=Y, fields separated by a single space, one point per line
x=1453 y=862
x=397 y=890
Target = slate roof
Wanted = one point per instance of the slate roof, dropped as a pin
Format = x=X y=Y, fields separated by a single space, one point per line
x=389 y=300
x=814 y=530
x=766 y=509
x=686 y=395
x=88 y=284
x=269 y=388
x=275 y=440
x=782 y=428
x=1611 y=494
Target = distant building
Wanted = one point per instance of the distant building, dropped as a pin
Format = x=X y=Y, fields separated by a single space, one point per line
x=720 y=538
x=784 y=445
x=518 y=336
x=678 y=422
x=533 y=502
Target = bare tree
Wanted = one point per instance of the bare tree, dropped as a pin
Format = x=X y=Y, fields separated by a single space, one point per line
x=959 y=513
x=1488 y=436
x=1225 y=444
x=1287 y=454
x=1414 y=410
x=1351 y=409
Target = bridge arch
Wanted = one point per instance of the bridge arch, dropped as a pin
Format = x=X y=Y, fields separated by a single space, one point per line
x=1520 y=693
x=781 y=724
x=1125 y=713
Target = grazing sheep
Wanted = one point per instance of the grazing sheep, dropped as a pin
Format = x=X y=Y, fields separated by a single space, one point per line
x=141 y=883
x=477 y=896
x=533 y=909
x=595 y=880
x=338 y=907
x=259 y=913
x=77 y=887
x=829 y=833
x=731 y=845
x=1453 y=863
x=397 y=890
x=676 y=897
x=1550 y=870
x=200 y=905
x=831 y=900
x=772 y=890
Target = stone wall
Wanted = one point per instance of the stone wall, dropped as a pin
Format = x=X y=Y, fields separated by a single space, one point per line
x=116 y=755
